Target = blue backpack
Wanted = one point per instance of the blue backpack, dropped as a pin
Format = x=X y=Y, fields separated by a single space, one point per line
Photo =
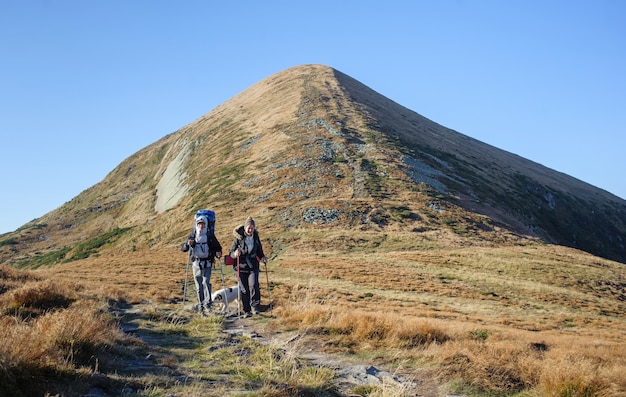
x=210 y=216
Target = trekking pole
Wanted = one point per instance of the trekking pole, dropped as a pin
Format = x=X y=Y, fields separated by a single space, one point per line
x=186 y=277
x=269 y=295
x=222 y=271
x=239 y=286
x=222 y=261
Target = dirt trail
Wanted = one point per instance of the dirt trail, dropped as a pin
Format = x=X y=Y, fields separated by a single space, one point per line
x=350 y=371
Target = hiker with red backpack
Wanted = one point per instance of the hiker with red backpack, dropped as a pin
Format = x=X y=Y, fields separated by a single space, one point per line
x=248 y=251
x=203 y=248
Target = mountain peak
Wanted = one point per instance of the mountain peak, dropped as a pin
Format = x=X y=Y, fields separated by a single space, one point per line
x=312 y=148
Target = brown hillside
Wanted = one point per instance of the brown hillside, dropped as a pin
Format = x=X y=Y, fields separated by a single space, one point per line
x=312 y=148
x=392 y=240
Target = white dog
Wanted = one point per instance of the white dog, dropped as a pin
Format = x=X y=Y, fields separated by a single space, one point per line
x=224 y=297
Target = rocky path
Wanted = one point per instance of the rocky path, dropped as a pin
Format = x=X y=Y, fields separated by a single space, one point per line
x=350 y=371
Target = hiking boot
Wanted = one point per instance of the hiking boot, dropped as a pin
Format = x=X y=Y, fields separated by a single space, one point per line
x=247 y=314
x=255 y=310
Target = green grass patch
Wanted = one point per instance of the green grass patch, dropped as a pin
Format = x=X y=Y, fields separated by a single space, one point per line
x=68 y=254
x=90 y=247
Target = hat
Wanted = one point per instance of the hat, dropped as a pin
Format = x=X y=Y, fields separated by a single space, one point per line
x=249 y=221
x=201 y=219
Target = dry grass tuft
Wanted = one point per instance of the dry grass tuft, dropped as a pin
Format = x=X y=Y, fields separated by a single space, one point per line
x=492 y=367
x=493 y=360
x=10 y=277
x=572 y=376
x=357 y=328
x=49 y=328
x=65 y=338
x=37 y=297
x=513 y=363
x=387 y=330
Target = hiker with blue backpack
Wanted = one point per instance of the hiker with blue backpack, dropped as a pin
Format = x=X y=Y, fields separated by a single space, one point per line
x=248 y=252
x=203 y=248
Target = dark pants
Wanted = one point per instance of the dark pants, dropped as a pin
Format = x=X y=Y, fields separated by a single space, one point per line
x=250 y=290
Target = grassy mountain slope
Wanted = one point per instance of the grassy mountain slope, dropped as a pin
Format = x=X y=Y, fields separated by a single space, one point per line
x=311 y=146
x=390 y=237
x=523 y=195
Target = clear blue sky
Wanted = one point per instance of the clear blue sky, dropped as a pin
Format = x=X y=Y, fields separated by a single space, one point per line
x=85 y=84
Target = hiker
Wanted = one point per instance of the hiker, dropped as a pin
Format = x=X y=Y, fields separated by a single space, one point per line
x=248 y=251
x=204 y=248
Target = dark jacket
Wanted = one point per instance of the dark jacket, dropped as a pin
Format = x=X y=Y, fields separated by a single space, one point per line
x=249 y=259
x=213 y=245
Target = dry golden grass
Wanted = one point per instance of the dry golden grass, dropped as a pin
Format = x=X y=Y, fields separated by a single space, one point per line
x=535 y=319
x=51 y=330
x=554 y=365
x=528 y=319
x=497 y=360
